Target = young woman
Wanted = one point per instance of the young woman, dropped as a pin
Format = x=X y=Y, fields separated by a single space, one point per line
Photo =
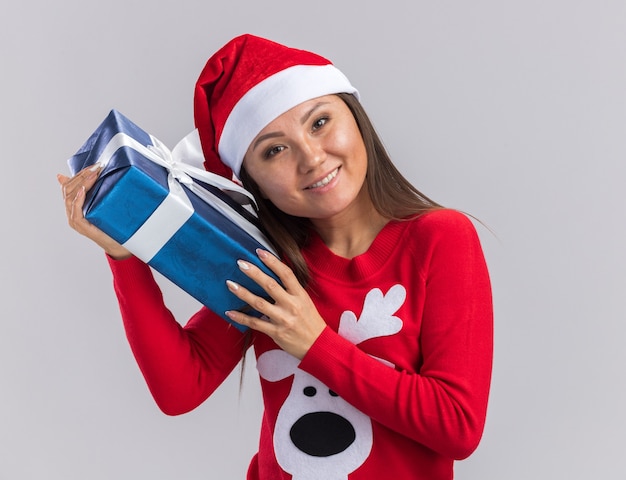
x=375 y=348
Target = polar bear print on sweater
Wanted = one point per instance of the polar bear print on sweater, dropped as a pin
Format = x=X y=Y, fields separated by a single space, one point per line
x=317 y=433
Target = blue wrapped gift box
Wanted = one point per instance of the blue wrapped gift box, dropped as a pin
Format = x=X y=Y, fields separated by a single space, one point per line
x=178 y=218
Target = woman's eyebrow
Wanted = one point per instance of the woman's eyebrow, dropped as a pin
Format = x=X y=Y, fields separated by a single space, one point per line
x=265 y=137
x=303 y=120
x=306 y=116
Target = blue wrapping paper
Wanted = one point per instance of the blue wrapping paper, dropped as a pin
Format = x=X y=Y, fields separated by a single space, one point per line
x=200 y=255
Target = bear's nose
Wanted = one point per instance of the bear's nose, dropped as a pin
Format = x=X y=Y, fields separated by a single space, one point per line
x=322 y=434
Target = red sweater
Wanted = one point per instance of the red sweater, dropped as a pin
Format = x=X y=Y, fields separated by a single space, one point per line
x=395 y=387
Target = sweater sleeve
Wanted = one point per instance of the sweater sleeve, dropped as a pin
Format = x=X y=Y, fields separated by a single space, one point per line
x=182 y=366
x=443 y=404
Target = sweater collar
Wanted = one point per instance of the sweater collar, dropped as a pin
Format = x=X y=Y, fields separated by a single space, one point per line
x=322 y=262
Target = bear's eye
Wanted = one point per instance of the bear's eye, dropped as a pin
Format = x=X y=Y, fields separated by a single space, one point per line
x=310 y=391
x=333 y=394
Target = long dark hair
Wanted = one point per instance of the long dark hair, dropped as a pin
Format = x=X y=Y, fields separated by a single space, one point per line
x=393 y=196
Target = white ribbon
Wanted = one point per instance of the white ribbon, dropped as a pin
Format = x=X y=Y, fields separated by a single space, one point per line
x=176 y=209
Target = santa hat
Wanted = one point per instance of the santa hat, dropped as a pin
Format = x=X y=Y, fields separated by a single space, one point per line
x=248 y=83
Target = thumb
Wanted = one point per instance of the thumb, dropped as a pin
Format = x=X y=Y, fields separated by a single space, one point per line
x=61 y=178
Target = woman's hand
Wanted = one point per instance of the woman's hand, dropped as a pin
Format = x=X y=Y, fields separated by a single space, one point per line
x=74 y=190
x=292 y=321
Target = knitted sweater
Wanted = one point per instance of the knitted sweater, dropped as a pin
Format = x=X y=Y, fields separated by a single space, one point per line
x=397 y=384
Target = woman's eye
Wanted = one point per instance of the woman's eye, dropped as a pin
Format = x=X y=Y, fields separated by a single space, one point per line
x=319 y=123
x=272 y=151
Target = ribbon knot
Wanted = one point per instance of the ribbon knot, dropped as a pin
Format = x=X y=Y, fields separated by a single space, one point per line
x=174 y=165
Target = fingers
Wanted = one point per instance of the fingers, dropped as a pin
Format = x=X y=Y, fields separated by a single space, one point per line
x=85 y=178
x=256 y=302
x=292 y=320
x=74 y=190
x=271 y=286
x=262 y=324
x=271 y=309
x=75 y=210
x=286 y=275
x=259 y=304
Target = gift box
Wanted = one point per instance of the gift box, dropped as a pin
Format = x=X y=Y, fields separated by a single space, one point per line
x=188 y=224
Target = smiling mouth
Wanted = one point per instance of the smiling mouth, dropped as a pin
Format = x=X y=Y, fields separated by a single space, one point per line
x=325 y=181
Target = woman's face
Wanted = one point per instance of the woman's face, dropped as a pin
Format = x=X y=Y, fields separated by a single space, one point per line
x=311 y=161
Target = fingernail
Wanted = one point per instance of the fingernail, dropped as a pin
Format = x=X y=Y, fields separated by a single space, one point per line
x=95 y=167
x=262 y=253
x=243 y=265
x=232 y=285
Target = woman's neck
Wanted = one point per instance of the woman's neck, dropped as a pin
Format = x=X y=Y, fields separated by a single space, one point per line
x=352 y=232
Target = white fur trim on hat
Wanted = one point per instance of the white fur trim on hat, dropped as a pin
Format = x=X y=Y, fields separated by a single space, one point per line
x=271 y=98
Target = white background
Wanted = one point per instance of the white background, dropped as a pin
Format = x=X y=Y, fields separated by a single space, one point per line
x=514 y=111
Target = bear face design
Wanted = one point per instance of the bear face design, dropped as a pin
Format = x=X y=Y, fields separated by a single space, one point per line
x=317 y=433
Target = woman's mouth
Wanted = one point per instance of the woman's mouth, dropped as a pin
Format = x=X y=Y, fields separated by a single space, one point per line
x=324 y=181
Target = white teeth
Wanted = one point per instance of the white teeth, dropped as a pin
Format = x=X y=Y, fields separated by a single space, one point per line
x=324 y=181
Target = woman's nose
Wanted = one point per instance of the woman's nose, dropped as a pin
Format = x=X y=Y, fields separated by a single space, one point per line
x=312 y=154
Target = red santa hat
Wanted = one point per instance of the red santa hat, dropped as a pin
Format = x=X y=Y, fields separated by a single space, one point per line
x=248 y=83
